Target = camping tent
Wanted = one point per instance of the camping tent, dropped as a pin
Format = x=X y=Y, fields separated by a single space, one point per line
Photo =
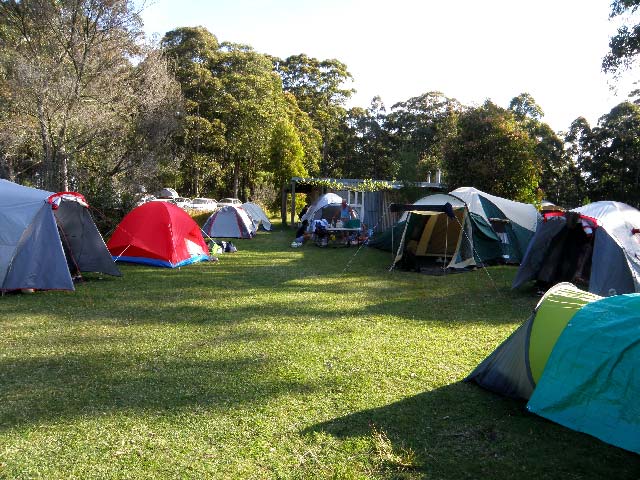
x=167 y=193
x=487 y=229
x=159 y=234
x=514 y=224
x=575 y=360
x=314 y=212
x=597 y=244
x=437 y=229
x=230 y=221
x=257 y=215
x=46 y=237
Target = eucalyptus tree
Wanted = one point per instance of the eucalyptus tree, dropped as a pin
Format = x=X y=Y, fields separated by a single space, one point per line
x=419 y=129
x=69 y=77
x=310 y=137
x=613 y=167
x=318 y=86
x=286 y=153
x=549 y=148
x=624 y=47
x=362 y=147
x=578 y=148
x=493 y=152
x=234 y=102
x=192 y=52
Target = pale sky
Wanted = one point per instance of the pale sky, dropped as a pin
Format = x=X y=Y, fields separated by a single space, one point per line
x=470 y=50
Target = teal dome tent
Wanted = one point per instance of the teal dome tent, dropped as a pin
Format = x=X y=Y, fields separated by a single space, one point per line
x=575 y=360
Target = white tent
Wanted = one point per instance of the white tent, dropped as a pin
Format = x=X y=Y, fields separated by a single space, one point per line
x=524 y=214
x=257 y=215
x=319 y=204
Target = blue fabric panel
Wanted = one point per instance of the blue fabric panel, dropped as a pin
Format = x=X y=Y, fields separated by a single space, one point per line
x=195 y=259
x=610 y=274
x=162 y=263
x=39 y=261
x=591 y=382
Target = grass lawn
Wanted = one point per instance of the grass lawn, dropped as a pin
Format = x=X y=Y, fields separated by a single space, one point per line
x=275 y=363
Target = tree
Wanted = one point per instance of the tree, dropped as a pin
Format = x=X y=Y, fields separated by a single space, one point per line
x=613 y=169
x=286 y=153
x=310 y=137
x=68 y=70
x=492 y=152
x=524 y=106
x=362 y=146
x=234 y=97
x=193 y=51
x=420 y=127
x=624 y=47
x=317 y=86
x=549 y=148
x=578 y=146
x=250 y=102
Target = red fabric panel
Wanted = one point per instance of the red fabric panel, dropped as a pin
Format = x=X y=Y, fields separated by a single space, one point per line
x=156 y=230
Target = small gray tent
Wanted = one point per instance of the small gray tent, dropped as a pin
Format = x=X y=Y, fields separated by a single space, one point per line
x=46 y=237
x=230 y=221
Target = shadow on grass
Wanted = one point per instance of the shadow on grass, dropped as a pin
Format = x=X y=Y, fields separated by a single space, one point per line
x=462 y=431
x=274 y=283
x=50 y=388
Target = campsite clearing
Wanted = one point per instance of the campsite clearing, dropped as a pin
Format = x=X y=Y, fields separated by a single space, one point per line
x=275 y=363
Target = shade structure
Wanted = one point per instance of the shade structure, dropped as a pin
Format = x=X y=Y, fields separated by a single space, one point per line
x=47 y=237
x=159 y=234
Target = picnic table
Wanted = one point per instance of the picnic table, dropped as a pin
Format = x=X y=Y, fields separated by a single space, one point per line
x=337 y=236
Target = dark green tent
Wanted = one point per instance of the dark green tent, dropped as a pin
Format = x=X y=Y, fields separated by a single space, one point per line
x=486 y=229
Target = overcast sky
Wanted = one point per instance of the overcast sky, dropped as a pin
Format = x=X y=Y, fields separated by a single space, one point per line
x=470 y=50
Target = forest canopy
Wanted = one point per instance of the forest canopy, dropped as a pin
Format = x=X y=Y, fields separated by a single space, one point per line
x=88 y=104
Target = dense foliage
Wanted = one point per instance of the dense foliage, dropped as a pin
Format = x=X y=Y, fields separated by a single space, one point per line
x=86 y=104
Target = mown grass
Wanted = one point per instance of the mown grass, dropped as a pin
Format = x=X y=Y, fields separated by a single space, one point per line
x=274 y=363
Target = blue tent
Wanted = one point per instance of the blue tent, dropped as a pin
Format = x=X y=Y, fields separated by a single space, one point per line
x=45 y=237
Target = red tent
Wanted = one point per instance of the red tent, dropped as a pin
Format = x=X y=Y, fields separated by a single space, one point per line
x=158 y=233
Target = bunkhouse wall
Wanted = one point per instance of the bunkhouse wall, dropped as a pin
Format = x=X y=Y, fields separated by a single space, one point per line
x=375 y=205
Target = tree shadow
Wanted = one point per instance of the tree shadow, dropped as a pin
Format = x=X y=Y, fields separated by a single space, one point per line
x=50 y=388
x=462 y=431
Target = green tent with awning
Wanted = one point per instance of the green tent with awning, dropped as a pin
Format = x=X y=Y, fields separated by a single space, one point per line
x=486 y=229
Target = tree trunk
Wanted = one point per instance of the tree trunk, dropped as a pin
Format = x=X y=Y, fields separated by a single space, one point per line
x=64 y=171
x=283 y=205
x=236 y=177
x=47 y=149
x=6 y=168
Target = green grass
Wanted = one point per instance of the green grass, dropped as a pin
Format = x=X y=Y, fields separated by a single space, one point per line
x=274 y=363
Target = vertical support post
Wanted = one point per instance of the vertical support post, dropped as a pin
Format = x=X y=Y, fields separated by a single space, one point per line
x=283 y=205
x=293 y=203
